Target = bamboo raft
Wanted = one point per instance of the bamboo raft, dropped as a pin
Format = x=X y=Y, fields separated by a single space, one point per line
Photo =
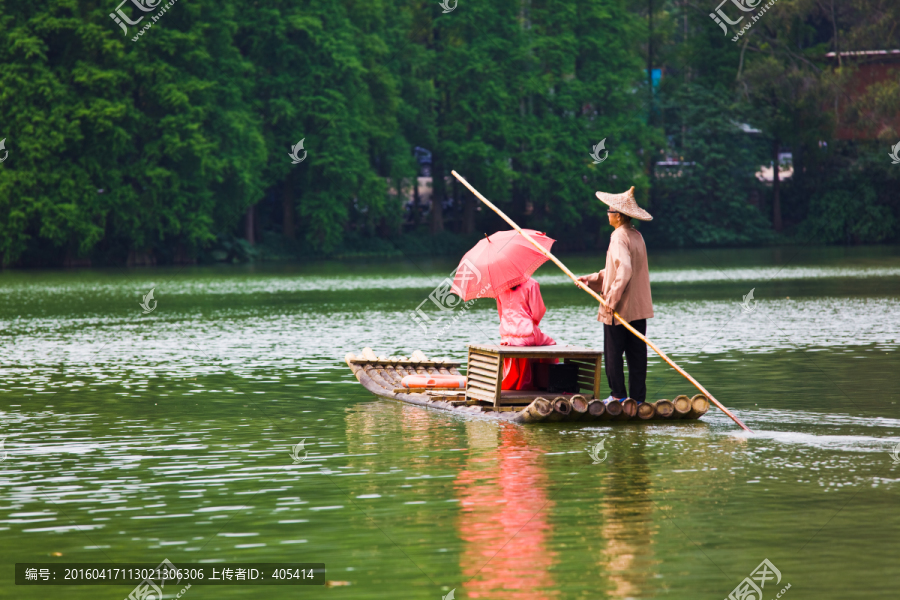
x=382 y=375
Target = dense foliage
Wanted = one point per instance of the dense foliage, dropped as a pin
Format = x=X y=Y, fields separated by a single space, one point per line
x=171 y=141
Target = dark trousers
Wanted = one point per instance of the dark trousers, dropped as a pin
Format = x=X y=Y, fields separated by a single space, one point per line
x=616 y=341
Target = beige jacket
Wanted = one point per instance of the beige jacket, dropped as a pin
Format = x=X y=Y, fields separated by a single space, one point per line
x=625 y=282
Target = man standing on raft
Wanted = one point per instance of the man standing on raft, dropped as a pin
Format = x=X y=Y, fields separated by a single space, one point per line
x=625 y=285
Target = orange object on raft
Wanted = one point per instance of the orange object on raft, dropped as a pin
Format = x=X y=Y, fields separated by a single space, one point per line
x=433 y=381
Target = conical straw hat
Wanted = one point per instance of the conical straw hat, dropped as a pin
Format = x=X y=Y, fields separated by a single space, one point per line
x=625 y=204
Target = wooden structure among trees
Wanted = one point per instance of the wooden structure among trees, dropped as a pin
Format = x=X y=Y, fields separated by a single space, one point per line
x=874 y=71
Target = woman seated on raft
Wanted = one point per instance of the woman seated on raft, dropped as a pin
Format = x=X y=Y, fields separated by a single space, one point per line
x=521 y=309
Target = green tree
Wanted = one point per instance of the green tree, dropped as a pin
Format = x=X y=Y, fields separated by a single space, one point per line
x=157 y=124
x=704 y=201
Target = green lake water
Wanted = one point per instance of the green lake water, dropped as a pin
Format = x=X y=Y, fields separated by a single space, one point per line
x=132 y=437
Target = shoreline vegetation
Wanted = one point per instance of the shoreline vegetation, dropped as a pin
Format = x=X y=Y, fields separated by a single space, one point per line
x=274 y=249
x=177 y=149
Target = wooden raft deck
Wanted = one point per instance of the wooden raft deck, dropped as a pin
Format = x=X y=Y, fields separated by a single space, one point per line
x=381 y=375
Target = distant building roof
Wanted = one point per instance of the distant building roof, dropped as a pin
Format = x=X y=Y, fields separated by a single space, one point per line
x=746 y=128
x=673 y=163
x=866 y=54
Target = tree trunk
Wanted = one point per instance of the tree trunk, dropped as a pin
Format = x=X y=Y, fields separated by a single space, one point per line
x=287 y=209
x=651 y=151
x=602 y=242
x=455 y=212
x=650 y=57
x=837 y=52
x=837 y=46
x=776 y=199
x=417 y=202
x=401 y=202
x=438 y=193
x=437 y=163
x=468 y=217
x=250 y=225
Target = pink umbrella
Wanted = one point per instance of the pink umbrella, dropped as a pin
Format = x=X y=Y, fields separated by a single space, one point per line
x=499 y=262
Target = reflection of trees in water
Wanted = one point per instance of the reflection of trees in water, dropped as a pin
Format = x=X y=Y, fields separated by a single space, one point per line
x=511 y=537
x=369 y=428
x=627 y=525
x=636 y=501
x=503 y=521
x=400 y=429
x=410 y=441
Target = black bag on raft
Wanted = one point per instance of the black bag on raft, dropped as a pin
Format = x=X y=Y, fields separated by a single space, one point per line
x=562 y=378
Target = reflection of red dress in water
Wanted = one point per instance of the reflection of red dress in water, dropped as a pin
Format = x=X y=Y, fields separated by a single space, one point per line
x=520 y=310
x=504 y=522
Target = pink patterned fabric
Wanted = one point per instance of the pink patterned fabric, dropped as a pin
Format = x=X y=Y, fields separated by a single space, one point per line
x=521 y=310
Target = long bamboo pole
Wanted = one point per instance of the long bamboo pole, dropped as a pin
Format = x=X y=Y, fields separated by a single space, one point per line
x=599 y=298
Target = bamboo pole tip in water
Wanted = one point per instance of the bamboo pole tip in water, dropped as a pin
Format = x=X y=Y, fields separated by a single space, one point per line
x=349 y=356
x=629 y=407
x=645 y=411
x=369 y=354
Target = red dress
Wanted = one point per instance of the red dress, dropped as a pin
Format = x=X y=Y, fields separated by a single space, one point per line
x=521 y=310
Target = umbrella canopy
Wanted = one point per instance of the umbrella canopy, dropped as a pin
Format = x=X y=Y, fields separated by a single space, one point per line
x=499 y=262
